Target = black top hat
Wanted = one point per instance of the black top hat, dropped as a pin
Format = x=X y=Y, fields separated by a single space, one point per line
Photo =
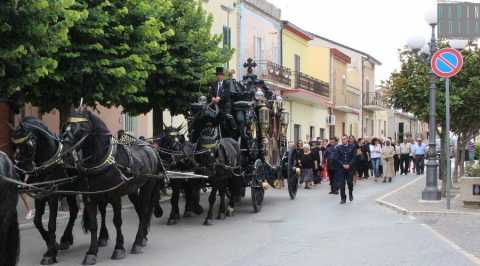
x=219 y=71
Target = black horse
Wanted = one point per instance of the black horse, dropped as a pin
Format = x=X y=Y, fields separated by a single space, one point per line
x=222 y=162
x=177 y=155
x=9 y=232
x=218 y=158
x=110 y=171
x=40 y=153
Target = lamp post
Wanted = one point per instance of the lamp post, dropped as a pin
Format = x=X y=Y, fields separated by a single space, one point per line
x=431 y=191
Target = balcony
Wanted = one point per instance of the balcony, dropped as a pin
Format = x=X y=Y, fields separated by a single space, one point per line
x=374 y=101
x=275 y=73
x=348 y=102
x=306 y=82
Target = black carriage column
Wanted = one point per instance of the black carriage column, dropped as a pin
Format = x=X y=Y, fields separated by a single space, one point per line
x=345 y=159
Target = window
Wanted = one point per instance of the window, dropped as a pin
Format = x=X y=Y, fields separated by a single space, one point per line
x=312 y=133
x=296 y=133
x=367 y=85
x=459 y=11
x=351 y=129
x=385 y=127
x=450 y=26
x=227 y=37
x=322 y=133
x=258 y=48
x=130 y=124
x=344 y=132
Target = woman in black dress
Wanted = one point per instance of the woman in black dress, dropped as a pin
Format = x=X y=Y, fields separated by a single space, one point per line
x=308 y=166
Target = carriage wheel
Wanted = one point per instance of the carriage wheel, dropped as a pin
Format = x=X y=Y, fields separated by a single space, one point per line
x=257 y=198
x=292 y=178
x=256 y=186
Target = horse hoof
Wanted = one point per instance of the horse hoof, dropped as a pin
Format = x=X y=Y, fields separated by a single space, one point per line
x=90 y=259
x=208 y=222
x=137 y=249
x=48 y=261
x=118 y=254
x=158 y=212
x=221 y=216
x=102 y=243
x=230 y=212
x=187 y=214
x=64 y=246
x=171 y=222
x=144 y=242
x=198 y=210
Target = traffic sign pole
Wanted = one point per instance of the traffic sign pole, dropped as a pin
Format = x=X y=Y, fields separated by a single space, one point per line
x=447 y=139
x=446 y=63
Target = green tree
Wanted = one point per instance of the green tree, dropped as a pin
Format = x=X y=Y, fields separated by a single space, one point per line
x=109 y=59
x=185 y=70
x=408 y=89
x=31 y=31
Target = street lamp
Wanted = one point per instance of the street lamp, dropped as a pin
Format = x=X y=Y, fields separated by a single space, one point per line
x=431 y=191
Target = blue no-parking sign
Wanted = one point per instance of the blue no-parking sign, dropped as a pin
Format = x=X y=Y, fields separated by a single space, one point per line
x=447 y=62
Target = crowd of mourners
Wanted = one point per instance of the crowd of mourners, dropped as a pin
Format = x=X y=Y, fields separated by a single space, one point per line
x=343 y=163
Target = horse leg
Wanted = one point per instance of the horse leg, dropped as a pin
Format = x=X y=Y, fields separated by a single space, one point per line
x=189 y=201
x=50 y=257
x=91 y=211
x=119 y=252
x=37 y=220
x=175 y=211
x=211 y=203
x=196 y=186
x=222 y=209
x=103 y=236
x=67 y=239
x=145 y=207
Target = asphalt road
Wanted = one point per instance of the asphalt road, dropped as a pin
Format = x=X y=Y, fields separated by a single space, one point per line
x=311 y=230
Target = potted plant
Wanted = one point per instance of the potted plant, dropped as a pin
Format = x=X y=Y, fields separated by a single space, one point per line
x=470 y=186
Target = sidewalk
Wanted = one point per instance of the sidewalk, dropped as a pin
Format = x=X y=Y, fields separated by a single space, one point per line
x=459 y=226
x=407 y=200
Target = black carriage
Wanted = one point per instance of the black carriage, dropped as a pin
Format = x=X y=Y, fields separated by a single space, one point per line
x=261 y=130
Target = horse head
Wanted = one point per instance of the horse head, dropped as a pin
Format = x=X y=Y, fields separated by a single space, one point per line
x=85 y=132
x=25 y=143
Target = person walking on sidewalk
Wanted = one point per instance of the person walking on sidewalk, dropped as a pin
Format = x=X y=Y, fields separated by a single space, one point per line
x=362 y=159
x=375 y=156
x=419 y=150
x=388 y=153
x=345 y=158
x=405 y=151
x=332 y=167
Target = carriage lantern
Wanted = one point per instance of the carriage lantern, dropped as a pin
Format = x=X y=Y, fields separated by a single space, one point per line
x=264 y=119
x=284 y=118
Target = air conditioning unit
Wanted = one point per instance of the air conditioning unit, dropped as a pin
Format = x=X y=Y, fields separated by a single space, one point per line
x=331 y=120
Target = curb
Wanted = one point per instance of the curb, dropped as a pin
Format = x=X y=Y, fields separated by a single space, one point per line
x=30 y=225
x=382 y=202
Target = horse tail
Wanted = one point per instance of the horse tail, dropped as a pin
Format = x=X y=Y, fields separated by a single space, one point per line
x=85 y=220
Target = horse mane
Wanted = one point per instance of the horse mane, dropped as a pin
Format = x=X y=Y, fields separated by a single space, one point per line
x=99 y=127
x=31 y=122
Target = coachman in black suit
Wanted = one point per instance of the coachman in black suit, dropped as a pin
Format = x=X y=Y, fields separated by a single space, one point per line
x=220 y=93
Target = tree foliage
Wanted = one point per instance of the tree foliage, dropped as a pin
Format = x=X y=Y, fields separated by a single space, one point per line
x=110 y=56
x=187 y=67
x=31 y=31
x=408 y=89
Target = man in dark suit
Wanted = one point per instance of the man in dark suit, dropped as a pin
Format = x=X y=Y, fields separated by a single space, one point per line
x=332 y=167
x=220 y=93
x=345 y=159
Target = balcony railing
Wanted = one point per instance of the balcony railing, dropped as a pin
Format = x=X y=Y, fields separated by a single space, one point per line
x=267 y=70
x=374 y=99
x=306 y=82
x=352 y=100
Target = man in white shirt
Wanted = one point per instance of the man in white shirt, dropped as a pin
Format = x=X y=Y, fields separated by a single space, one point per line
x=405 y=150
x=419 y=150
